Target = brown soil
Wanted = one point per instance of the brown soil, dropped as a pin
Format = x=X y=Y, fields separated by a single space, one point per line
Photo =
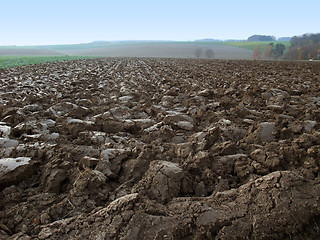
x=160 y=149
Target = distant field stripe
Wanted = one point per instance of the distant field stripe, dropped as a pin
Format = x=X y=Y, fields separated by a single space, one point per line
x=17 y=61
x=252 y=45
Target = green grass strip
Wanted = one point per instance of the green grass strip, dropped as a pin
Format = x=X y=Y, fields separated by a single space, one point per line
x=17 y=61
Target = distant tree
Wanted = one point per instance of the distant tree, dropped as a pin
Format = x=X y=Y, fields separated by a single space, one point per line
x=267 y=53
x=209 y=53
x=198 y=52
x=256 y=53
x=292 y=54
x=278 y=51
x=304 y=47
x=300 y=52
x=305 y=39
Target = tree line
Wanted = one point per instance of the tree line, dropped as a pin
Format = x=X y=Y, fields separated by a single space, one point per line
x=304 y=47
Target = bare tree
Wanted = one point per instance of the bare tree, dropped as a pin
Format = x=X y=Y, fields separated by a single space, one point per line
x=267 y=52
x=209 y=53
x=256 y=53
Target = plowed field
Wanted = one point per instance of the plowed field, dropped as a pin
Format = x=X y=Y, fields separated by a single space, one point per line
x=142 y=148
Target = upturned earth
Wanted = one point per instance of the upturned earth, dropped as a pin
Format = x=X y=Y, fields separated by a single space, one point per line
x=142 y=148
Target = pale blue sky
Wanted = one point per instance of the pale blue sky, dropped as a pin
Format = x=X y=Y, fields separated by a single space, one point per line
x=35 y=22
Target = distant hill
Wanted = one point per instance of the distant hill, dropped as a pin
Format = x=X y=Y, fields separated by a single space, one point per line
x=100 y=41
x=164 y=49
x=262 y=38
x=208 y=40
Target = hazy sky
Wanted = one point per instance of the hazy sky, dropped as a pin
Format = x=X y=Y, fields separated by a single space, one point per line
x=35 y=22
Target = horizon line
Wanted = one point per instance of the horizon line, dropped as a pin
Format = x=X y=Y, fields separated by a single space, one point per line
x=132 y=40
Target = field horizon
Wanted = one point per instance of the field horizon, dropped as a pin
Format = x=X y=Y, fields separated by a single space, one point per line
x=171 y=49
x=13 y=56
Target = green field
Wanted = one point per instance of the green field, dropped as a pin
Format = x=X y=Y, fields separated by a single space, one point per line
x=252 y=45
x=17 y=61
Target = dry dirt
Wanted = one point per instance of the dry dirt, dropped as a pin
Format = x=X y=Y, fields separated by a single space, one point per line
x=160 y=149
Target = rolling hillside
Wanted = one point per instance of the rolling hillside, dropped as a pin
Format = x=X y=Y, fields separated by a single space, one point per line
x=133 y=49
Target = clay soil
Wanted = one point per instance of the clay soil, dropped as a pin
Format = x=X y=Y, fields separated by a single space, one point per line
x=148 y=148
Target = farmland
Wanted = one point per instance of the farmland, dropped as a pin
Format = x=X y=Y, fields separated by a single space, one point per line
x=163 y=49
x=166 y=49
x=251 y=45
x=128 y=148
x=16 y=61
